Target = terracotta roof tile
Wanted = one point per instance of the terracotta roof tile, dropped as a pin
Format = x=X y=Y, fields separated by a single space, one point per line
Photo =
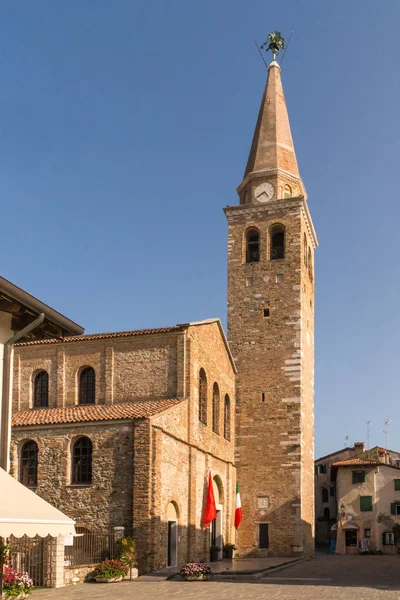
x=357 y=462
x=103 y=336
x=93 y=412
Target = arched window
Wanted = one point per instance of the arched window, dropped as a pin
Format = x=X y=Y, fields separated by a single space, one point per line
x=305 y=249
x=227 y=418
x=87 y=386
x=215 y=409
x=325 y=495
x=277 y=234
x=252 y=245
x=309 y=263
x=41 y=390
x=287 y=191
x=203 y=396
x=327 y=513
x=29 y=464
x=81 y=460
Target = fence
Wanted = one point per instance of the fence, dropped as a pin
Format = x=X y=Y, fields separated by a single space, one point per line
x=90 y=548
x=34 y=556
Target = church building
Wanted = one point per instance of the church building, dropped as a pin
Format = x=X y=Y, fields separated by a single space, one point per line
x=120 y=430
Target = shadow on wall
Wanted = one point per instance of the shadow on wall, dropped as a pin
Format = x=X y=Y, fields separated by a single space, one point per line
x=281 y=542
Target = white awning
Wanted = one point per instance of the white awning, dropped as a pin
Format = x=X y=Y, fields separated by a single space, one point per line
x=22 y=512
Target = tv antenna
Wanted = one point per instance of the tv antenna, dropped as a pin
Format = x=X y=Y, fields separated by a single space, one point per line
x=368 y=424
x=346 y=440
x=386 y=432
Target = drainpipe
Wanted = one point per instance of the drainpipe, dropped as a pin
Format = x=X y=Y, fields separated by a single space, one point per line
x=6 y=400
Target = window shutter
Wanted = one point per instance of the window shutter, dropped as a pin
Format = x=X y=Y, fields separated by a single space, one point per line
x=393 y=508
x=324 y=469
x=397 y=484
x=383 y=539
x=363 y=477
x=365 y=503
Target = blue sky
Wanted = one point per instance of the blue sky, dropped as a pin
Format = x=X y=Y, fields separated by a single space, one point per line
x=124 y=130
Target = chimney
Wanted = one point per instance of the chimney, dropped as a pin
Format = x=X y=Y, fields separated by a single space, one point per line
x=359 y=446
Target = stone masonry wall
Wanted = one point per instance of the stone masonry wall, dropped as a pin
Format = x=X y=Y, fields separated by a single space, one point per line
x=126 y=369
x=107 y=502
x=272 y=460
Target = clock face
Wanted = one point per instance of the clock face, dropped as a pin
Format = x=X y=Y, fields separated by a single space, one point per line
x=264 y=192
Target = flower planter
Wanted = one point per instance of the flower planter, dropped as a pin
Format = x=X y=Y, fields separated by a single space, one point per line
x=214 y=555
x=228 y=553
x=108 y=579
x=134 y=574
x=195 y=578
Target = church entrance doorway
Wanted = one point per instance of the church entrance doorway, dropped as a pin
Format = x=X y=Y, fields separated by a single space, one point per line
x=172 y=543
x=216 y=531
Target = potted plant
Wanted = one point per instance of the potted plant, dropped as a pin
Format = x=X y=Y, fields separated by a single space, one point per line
x=195 y=572
x=228 y=550
x=110 y=571
x=214 y=551
x=16 y=585
x=127 y=555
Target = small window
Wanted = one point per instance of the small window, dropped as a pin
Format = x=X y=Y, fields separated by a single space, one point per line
x=266 y=312
x=252 y=245
x=87 y=386
x=29 y=464
x=203 y=397
x=320 y=469
x=41 y=390
x=280 y=278
x=332 y=490
x=263 y=537
x=397 y=485
x=367 y=532
x=215 y=409
x=227 y=418
x=249 y=281
x=82 y=461
x=365 y=503
x=325 y=495
x=277 y=234
x=358 y=476
x=327 y=513
x=388 y=538
x=287 y=191
x=395 y=508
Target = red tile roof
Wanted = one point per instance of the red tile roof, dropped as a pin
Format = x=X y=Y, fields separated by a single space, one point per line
x=103 y=336
x=357 y=462
x=92 y=412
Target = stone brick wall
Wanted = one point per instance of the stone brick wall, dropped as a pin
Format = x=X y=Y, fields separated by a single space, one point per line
x=274 y=391
x=107 y=502
x=126 y=369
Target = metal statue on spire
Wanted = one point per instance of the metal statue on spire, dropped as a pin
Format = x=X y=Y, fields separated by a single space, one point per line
x=274 y=42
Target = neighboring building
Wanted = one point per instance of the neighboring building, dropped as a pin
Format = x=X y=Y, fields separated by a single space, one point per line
x=271 y=242
x=325 y=491
x=119 y=430
x=368 y=497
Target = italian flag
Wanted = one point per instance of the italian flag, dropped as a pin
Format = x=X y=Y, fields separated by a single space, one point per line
x=238 y=508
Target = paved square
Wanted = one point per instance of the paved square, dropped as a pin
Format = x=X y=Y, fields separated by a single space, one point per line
x=324 y=578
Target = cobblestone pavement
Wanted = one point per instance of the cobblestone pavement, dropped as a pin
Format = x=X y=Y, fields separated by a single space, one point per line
x=325 y=578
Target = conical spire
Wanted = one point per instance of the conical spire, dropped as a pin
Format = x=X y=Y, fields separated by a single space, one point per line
x=272 y=151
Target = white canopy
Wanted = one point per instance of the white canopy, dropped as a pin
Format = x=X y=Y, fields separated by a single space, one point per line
x=22 y=512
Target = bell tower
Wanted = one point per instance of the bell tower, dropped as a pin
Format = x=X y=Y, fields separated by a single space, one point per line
x=271 y=242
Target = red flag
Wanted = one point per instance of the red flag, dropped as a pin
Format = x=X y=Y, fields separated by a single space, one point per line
x=210 y=512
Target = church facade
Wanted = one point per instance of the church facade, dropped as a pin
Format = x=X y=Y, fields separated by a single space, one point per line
x=121 y=429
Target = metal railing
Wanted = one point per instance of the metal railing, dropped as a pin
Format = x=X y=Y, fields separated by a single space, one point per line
x=90 y=548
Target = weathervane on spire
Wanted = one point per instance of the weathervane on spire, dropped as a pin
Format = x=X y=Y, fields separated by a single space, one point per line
x=274 y=42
